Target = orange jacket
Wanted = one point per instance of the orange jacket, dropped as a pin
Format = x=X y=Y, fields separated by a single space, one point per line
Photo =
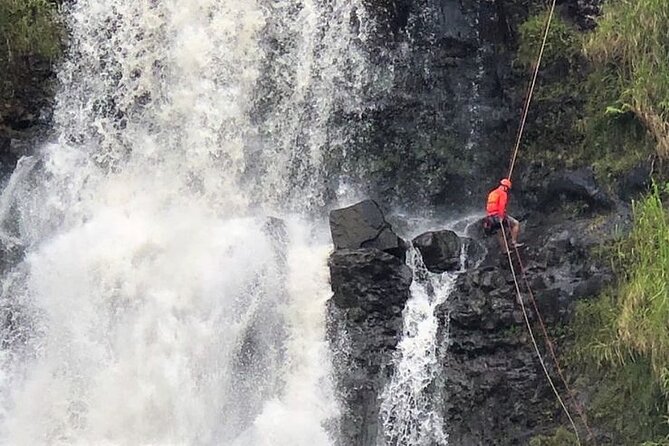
x=497 y=200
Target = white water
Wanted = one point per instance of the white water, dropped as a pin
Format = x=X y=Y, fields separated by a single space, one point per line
x=410 y=415
x=153 y=306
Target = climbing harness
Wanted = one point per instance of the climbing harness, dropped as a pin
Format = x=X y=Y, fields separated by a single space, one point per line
x=549 y=345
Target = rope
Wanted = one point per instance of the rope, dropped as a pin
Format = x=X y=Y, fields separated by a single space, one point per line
x=549 y=345
x=528 y=100
x=534 y=341
x=519 y=138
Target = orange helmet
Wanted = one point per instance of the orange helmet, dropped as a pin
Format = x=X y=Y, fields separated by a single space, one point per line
x=506 y=182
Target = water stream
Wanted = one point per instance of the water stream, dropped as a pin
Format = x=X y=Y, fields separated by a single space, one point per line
x=410 y=410
x=157 y=302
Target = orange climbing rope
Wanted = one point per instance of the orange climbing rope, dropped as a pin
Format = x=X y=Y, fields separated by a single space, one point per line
x=514 y=157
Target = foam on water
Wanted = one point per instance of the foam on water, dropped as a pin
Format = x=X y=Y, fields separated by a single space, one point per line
x=156 y=303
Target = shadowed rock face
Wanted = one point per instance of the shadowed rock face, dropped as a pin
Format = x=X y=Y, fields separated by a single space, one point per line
x=440 y=250
x=493 y=387
x=370 y=288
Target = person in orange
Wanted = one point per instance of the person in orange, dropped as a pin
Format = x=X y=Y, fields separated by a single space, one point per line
x=498 y=218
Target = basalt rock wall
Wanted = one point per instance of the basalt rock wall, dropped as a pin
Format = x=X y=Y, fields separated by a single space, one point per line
x=450 y=116
x=492 y=386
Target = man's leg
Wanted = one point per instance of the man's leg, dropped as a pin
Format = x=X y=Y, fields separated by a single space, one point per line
x=515 y=229
x=500 y=239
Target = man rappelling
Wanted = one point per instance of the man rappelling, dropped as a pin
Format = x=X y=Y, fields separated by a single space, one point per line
x=497 y=218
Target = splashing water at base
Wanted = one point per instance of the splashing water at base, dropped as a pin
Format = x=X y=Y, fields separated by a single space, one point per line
x=156 y=302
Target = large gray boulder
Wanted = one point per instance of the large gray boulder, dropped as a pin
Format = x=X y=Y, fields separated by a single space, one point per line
x=440 y=250
x=364 y=226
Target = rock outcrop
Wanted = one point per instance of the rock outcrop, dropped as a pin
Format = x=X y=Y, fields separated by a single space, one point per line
x=579 y=184
x=364 y=226
x=370 y=288
x=440 y=250
x=492 y=386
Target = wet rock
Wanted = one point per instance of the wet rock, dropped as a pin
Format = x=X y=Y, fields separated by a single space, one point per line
x=489 y=364
x=475 y=252
x=489 y=368
x=364 y=226
x=369 y=279
x=370 y=289
x=636 y=180
x=577 y=184
x=440 y=250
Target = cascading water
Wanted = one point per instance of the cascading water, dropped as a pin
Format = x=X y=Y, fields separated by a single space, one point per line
x=156 y=303
x=409 y=413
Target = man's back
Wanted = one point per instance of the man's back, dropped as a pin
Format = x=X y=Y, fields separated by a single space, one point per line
x=497 y=200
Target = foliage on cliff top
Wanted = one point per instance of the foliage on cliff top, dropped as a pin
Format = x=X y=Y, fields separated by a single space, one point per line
x=624 y=333
x=631 y=43
x=562 y=42
x=29 y=27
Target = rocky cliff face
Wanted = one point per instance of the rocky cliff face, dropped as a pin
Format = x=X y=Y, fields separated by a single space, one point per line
x=370 y=284
x=450 y=116
x=25 y=109
x=493 y=387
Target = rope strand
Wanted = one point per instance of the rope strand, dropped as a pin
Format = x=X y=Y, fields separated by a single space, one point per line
x=549 y=346
x=528 y=101
x=534 y=341
x=514 y=157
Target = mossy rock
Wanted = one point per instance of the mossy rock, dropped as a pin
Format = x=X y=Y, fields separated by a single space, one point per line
x=562 y=437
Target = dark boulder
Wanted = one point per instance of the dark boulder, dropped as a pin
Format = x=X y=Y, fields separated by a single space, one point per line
x=364 y=226
x=370 y=289
x=440 y=250
x=369 y=279
x=577 y=184
x=637 y=180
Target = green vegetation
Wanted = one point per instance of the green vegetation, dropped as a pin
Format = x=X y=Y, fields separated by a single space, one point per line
x=29 y=31
x=603 y=100
x=562 y=437
x=29 y=27
x=622 y=337
x=631 y=44
x=553 y=135
x=603 y=96
x=562 y=43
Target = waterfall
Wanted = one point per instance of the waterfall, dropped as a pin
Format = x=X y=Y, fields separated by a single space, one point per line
x=157 y=301
x=410 y=413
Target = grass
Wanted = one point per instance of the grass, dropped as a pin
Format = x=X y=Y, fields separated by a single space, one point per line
x=631 y=43
x=603 y=96
x=562 y=437
x=643 y=323
x=562 y=43
x=29 y=27
x=623 y=336
x=30 y=34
